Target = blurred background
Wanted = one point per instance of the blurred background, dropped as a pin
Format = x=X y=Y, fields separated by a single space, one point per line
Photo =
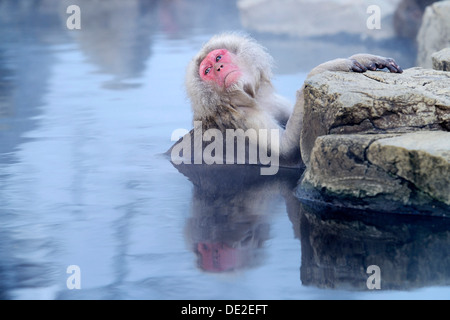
x=85 y=116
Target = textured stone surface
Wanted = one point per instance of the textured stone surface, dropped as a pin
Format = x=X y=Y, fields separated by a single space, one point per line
x=374 y=102
x=339 y=166
x=421 y=158
x=339 y=244
x=383 y=171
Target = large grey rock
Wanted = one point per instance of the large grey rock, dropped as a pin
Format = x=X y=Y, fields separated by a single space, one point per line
x=408 y=17
x=441 y=60
x=339 y=167
x=434 y=34
x=374 y=102
x=421 y=158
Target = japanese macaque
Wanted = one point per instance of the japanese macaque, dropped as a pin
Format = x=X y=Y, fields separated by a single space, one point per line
x=231 y=210
x=233 y=100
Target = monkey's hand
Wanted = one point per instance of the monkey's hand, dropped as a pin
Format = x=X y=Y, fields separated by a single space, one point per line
x=364 y=62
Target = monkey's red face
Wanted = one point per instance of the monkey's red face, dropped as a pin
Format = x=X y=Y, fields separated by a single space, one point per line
x=220 y=67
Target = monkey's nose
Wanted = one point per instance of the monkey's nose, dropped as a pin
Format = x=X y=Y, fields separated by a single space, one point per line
x=219 y=67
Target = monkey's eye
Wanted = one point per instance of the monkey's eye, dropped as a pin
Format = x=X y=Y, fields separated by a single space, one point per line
x=207 y=70
x=218 y=58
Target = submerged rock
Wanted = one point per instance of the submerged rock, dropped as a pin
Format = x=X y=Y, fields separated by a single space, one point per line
x=339 y=244
x=378 y=141
x=421 y=158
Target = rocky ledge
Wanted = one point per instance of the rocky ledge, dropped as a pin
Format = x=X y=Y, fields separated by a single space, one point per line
x=378 y=141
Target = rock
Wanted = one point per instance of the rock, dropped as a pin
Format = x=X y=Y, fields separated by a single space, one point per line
x=383 y=172
x=339 y=167
x=441 y=60
x=434 y=34
x=374 y=102
x=408 y=17
x=312 y=18
x=338 y=245
x=421 y=158
x=378 y=141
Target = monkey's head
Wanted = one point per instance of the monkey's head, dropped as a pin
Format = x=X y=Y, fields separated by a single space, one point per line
x=230 y=70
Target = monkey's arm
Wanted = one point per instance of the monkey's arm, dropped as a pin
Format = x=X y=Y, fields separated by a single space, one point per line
x=290 y=140
x=358 y=63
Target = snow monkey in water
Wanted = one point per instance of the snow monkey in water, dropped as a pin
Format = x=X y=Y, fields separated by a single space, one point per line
x=238 y=117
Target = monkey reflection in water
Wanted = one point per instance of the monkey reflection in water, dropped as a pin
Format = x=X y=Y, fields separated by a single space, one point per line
x=231 y=213
x=229 y=84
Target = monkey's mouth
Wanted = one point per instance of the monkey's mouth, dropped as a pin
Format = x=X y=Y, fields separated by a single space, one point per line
x=231 y=78
x=233 y=81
